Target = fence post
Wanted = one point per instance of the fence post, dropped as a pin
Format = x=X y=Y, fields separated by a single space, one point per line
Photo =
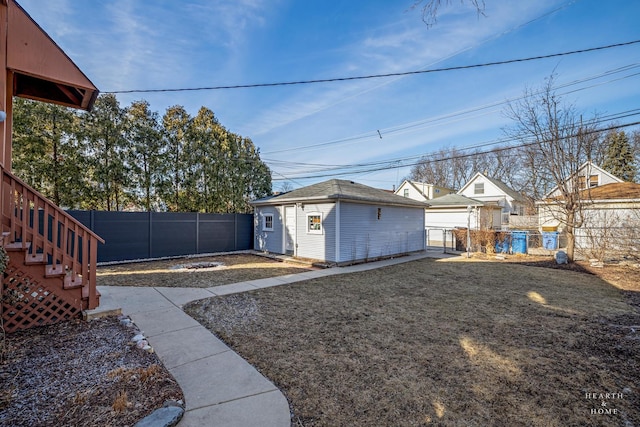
x=235 y=232
x=197 y=232
x=150 y=225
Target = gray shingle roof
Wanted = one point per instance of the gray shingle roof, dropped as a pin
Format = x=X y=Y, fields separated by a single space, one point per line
x=339 y=189
x=454 y=200
x=507 y=190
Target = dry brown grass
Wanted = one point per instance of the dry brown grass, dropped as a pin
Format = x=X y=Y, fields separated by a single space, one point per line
x=236 y=268
x=121 y=402
x=442 y=343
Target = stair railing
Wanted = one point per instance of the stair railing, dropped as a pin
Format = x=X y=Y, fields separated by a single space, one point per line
x=51 y=236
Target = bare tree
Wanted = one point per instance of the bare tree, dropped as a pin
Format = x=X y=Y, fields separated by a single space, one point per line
x=286 y=186
x=448 y=167
x=564 y=141
x=431 y=7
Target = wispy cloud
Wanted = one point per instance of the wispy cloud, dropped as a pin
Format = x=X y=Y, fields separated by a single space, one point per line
x=393 y=47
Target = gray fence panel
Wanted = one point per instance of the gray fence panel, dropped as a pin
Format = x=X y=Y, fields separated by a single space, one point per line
x=216 y=233
x=173 y=234
x=141 y=235
x=244 y=231
x=127 y=232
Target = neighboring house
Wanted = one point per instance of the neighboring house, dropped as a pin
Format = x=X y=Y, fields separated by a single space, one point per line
x=339 y=221
x=493 y=191
x=589 y=175
x=611 y=215
x=458 y=211
x=421 y=191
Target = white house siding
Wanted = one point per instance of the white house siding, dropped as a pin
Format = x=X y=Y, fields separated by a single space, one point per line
x=269 y=241
x=317 y=246
x=364 y=236
x=422 y=190
x=605 y=223
x=493 y=194
x=614 y=225
x=449 y=218
x=411 y=192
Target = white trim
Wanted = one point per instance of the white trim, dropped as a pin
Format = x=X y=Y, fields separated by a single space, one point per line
x=286 y=226
x=319 y=231
x=338 y=231
x=264 y=222
x=588 y=167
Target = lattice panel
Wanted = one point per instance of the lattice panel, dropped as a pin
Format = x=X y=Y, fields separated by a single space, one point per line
x=27 y=303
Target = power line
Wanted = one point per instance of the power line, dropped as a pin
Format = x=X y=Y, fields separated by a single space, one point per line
x=421 y=123
x=377 y=76
x=320 y=167
x=398 y=164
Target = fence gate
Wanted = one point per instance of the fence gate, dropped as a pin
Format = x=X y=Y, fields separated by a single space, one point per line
x=441 y=239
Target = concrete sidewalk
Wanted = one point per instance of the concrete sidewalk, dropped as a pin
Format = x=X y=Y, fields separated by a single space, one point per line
x=220 y=387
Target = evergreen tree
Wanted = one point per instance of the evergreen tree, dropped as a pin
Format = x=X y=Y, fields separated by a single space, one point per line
x=107 y=148
x=115 y=158
x=47 y=153
x=176 y=124
x=143 y=132
x=619 y=159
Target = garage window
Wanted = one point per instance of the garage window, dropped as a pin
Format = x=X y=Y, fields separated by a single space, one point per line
x=314 y=223
x=267 y=222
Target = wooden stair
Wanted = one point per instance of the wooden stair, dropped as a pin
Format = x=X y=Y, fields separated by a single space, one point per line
x=50 y=276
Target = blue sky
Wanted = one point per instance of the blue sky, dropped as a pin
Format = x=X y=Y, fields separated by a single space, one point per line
x=303 y=130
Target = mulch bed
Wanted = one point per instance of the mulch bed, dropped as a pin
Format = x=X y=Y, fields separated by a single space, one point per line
x=81 y=374
x=232 y=268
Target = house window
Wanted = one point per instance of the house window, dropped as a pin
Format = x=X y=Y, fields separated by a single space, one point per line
x=478 y=188
x=406 y=192
x=593 y=181
x=267 y=222
x=314 y=223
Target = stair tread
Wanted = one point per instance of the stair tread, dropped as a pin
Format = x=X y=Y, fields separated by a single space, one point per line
x=85 y=292
x=53 y=271
x=69 y=283
x=30 y=259
x=17 y=246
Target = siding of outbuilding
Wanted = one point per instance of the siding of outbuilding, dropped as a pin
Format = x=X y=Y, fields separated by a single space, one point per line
x=269 y=241
x=317 y=246
x=364 y=236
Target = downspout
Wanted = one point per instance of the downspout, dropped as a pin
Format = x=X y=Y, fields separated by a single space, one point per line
x=338 y=231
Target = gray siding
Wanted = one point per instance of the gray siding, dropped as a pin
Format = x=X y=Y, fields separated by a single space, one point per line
x=269 y=241
x=363 y=235
x=317 y=246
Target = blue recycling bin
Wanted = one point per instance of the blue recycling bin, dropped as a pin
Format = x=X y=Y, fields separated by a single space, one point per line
x=502 y=247
x=550 y=240
x=519 y=242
